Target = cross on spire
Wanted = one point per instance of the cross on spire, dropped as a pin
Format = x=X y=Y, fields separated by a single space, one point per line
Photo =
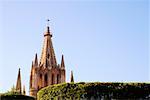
x=48 y=30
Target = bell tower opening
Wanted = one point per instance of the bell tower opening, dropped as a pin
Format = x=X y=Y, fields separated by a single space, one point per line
x=45 y=80
x=57 y=78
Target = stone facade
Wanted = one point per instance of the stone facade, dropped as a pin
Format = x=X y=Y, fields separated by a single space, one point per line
x=46 y=71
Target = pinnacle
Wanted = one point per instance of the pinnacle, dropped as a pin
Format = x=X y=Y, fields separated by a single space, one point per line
x=62 y=61
x=72 y=78
x=36 y=59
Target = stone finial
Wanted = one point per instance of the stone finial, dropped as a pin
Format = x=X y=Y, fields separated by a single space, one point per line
x=36 y=60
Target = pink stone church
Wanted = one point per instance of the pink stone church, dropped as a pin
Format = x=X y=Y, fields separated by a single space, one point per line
x=46 y=71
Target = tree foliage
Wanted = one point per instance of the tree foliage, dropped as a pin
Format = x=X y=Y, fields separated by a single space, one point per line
x=14 y=95
x=97 y=90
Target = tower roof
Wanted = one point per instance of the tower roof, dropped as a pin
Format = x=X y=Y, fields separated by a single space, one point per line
x=48 y=54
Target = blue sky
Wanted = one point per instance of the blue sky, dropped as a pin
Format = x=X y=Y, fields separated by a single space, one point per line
x=105 y=41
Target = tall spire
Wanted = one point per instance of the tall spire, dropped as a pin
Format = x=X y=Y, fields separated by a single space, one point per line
x=18 y=85
x=62 y=62
x=48 y=55
x=72 y=78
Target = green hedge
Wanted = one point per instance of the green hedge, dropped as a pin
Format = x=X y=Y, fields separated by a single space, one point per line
x=97 y=90
x=15 y=97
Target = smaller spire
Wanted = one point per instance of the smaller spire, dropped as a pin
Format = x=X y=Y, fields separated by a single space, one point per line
x=18 y=84
x=31 y=75
x=62 y=62
x=72 y=78
x=36 y=60
x=24 y=91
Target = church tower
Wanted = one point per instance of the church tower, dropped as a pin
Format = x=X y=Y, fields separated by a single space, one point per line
x=46 y=71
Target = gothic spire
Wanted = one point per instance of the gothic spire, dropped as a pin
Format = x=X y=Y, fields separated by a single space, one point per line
x=48 y=55
x=18 y=85
x=72 y=78
x=62 y=62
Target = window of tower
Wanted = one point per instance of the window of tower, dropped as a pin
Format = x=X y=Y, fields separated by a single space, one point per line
x=45 y=80
x=52 y=79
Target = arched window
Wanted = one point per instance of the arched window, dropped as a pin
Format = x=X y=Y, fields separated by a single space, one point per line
x=45 y=80
x=52 y=81
x=57 y=78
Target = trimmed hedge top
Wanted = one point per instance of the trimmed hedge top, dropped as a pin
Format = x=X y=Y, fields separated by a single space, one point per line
x=96 y=90
x=15 y=97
